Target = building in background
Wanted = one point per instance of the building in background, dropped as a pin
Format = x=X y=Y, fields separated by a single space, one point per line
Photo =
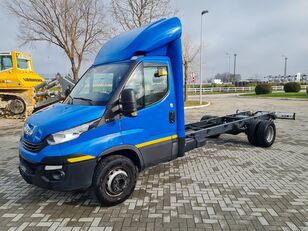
x=299 y=77
x=217 y=81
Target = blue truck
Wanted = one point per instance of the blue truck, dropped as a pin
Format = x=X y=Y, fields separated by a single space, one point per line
x=125 y=114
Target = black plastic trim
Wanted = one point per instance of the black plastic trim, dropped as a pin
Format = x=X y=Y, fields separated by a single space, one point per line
x=59 y=159
x=157 y=153
x=123 y=148
x=34 y=147
x=181 y=147
x=76 y=175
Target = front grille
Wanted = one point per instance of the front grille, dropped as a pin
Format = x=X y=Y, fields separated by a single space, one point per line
x=34 y=147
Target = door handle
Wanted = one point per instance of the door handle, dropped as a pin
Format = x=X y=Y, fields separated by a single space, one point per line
x=171 y=117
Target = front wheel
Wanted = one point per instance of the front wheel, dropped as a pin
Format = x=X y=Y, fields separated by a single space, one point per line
x=114 y=179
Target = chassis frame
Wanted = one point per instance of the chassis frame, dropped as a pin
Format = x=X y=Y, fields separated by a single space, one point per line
x=197 y=133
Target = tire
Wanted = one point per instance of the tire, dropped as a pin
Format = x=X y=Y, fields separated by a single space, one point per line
x=114 y=179
x=207 y=117
x=252 y=131
x=266 y=133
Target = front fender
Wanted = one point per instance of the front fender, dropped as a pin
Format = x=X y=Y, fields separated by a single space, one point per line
x=122 y=148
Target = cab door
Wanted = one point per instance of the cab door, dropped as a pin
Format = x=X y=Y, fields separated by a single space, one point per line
x=153 y=130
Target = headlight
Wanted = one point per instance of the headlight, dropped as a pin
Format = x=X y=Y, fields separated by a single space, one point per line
x=70 y=134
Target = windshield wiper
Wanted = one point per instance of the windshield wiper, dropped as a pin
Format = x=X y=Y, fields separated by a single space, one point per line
x=84 y=99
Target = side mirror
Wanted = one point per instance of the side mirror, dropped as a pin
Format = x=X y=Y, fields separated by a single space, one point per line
x=161 y=72
x=129 y=103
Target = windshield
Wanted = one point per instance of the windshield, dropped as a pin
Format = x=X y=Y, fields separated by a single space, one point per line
x=98 y=84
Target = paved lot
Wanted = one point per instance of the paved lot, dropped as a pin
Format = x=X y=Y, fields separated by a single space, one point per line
x=227 y=184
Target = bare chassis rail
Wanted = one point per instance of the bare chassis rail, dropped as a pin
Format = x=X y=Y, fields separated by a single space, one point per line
x=196 y=133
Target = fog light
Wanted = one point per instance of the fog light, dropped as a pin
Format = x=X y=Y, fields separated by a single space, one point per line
x=58 y=175
x=53 y=167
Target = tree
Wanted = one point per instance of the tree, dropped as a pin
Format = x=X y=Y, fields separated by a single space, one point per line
x=189 y=54
x=136 y=13
x=76 y=26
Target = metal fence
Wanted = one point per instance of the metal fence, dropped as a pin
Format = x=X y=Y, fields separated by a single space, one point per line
x=220 y=89
x=232 y=89
x=277 y=88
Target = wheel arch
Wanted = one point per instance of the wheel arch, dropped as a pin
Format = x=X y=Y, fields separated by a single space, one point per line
x=128 y=151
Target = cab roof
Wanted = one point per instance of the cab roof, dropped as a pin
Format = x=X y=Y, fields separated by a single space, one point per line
x=151 y=39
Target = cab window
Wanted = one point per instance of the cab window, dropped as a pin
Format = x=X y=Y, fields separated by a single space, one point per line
x=23 y=64
x=150 y=84
x=23 y=61
x=5 y=62
x=155 y=84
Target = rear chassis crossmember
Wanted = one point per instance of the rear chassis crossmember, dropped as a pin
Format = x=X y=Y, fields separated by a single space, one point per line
x=197 y=133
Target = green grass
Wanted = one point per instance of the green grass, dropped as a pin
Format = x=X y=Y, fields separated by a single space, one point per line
x=300 y=95
x=191 y=103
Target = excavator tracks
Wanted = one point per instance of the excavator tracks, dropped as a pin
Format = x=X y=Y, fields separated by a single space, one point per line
x=15 y=105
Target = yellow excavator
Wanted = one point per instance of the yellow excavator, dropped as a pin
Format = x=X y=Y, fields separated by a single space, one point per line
x=23 y=91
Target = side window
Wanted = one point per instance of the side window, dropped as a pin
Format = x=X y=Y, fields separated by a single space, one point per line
x=135 y=82
x=149 y=83
x=23 y=64
x=23 y=61
x=5 y=62
x=155 y=84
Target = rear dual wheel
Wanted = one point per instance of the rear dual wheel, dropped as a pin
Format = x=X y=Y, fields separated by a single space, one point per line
x=261 y=133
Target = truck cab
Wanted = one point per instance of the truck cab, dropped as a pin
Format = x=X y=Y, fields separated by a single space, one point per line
x=125 y=114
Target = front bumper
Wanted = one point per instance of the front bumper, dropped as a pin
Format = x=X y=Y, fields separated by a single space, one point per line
x=72 y=176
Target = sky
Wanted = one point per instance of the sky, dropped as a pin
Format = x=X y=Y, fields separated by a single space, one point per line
x=259 y=32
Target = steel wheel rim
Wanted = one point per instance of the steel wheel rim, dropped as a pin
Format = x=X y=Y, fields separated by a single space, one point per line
x=117 y=182
x=270 y=134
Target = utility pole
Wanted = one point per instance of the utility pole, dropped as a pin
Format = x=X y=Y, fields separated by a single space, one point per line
x=234 y=70
x=229 y=57
x=201 y=44
x=285 y=66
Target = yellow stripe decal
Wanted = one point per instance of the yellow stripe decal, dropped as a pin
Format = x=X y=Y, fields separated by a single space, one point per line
x=156 y=141
x=80 y=158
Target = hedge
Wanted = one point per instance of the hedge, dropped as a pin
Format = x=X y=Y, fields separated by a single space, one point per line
x=263 y=88
x=292 y=87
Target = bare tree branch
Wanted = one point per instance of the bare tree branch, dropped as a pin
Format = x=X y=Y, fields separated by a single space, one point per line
x=76 y=26
x=130 y=14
